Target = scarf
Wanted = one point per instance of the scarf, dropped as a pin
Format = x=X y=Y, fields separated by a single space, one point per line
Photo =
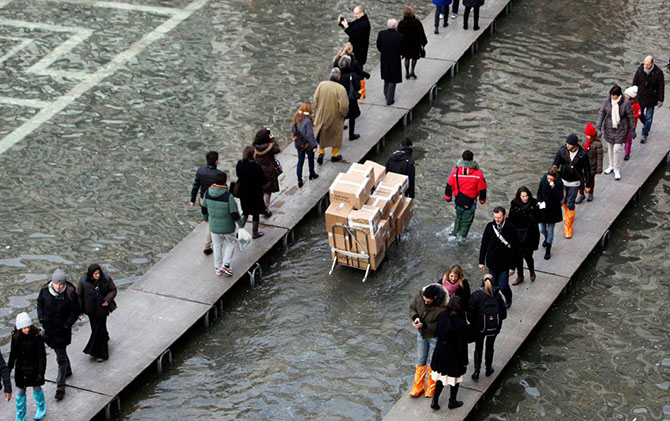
x=53 y=291
x=615 y=114
x=451 y=288
x=587 y=145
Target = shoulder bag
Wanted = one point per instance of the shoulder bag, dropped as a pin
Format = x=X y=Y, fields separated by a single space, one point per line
x=462 y=200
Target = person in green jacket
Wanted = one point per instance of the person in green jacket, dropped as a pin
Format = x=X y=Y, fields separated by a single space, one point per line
x=222 y=215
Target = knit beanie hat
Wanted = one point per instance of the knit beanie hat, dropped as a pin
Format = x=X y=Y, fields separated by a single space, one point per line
x=58 y=277
x=572 y=139
x=631 y=91
x=590 y=130
x=23 y=320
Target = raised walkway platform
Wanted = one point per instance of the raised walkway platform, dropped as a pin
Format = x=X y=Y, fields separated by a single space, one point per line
x=158 y=309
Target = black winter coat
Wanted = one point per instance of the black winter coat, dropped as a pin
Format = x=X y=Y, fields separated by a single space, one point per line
x=463 y=292
x=578 y=169
x=355 y=67
x=28 y=358
x=651 y=87
x=251 y=178
x=473 y=3
x=359 y=37
x=494 y=253
x=475 y=316
x=390 y=45
x=58 y=314
x=552 y=197
x=415 y=37
x=264 y=155
x=525 y=218
x=401 y=162
x=204 y=178
x=5 y=373
x=451 y=352
x=91 y=296
x=347 y=75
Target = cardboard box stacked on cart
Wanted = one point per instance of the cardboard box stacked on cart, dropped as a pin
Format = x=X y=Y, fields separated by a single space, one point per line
x=373 y=201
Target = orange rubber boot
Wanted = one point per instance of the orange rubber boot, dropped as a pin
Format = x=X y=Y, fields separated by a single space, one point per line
x=430 y=385
x=419 y=381
x=568 y=225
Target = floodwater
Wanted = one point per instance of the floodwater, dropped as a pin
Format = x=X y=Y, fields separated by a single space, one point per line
x=107 y=180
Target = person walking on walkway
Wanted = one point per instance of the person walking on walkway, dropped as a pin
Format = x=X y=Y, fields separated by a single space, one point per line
x=594 y=148
x=415 y=40
x=454 y=9
x=250 y=181
x=499 y=251
x=332 y=106
x=223 y=215
x=401 y=162
x=550 y=197
x=352 y=83
x=441 y=10
x=305 y=143
x=466 y=183
x=96 y=291
x=469 y=5
x=390 y=45
x=28 y=358
x=5 y=373
x=58 y=309
x=573 y=165
x=486 y=313
x=631 y=95
x=455 y=283
x=266 y=147
x=359 y=33
x=616 y=114
x=450 y=358
x=204 y=178
x=524 y=215
x=651 y=92
x=423 y=311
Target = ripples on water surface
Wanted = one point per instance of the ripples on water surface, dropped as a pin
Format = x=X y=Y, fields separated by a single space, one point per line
x=107 y=180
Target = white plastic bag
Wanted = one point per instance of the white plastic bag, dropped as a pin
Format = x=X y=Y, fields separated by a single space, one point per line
x=243 y=238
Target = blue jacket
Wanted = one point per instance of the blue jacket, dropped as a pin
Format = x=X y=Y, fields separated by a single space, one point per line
x=441 y=2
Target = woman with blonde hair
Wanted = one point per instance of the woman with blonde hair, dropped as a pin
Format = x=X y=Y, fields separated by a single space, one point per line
x=304 y=141
x=348 y=50
x=455 y=283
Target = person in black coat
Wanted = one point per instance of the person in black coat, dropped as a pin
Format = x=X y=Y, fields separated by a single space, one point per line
x=58 y=309
x=348 y=50
x=484 y=303
x=415 y=40
x=251 y=179
x=651 y=92
x=524 y=215
x=469 y=5
x=29 y=360
x=573 y=165
x=401 y=162
x=455 y=283
x=6 y=378
x=359 y=34
x=390 y=45
x=204 y=178
x=499 y=250
x=450 y=358
x=550 y=196
x=352 y=83
x=96 y=292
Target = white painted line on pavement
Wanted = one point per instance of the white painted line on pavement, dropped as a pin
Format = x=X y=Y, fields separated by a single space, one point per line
x=23 y=43
x=4 y=3
x=41 y=66
x=158 y=10
x=44 y=26
x=32 y=103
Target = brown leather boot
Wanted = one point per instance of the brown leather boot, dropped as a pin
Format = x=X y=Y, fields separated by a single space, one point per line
x=518 y=280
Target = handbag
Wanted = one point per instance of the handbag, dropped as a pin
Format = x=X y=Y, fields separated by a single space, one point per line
x=234 y=188
x=301 y=143
x=353 y=95
x=463 y=200
x=278 y=167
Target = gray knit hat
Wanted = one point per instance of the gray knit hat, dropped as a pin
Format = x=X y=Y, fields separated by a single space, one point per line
x=58 y=277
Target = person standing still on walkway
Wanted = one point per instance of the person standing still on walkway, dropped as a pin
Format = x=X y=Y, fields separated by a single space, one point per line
x=348 y=50
x=466 y=183
x=573 y=165
x=616 y=114
x=486 y=313
x=524 y=215
x=5 y=373
x=58 y=309
x=415 y=40
x=96 y=291
x=28 y=358
x=250 y=179
x=454 y=9
x=651 y=92
x=204 y=178
x=472 y=4
x=424 y=311
x=450 y=358
x=265 y=149
x=455 y=283
x=305 y=143
x=550 y=197
x=594 y=148
x=441 y=10
x=401 y=162
x=332 y=106
x=359 y=34
x=499 y=251
x=631 y=95
x=390 y=45
x=352 y=83
x=223 y=215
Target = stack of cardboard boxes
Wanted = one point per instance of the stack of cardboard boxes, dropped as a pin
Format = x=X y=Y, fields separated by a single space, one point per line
x=371 y=201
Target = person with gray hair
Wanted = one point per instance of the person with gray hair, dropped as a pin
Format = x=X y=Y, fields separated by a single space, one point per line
x=332 y=106
x=390 y=44
x=651 y=92
x=352 y=83
x=359 y=33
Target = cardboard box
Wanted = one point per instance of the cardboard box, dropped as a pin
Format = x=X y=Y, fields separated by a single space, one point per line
x=395 y=210
x=375 y=260
x=378 y=170
x=404 y=216
x=395 y=180
x=364 y=173
x=363 y=239
x=337 y=213
x=383 y=198
x=388 y=233
x=366 y=218
x=339 y=241
x=353 y=189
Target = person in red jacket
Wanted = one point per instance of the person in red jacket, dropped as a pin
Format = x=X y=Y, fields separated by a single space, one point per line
x=631 y=95
x=466 y=183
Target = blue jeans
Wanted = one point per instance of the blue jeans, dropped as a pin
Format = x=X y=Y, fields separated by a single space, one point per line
x=648 y=114
x=570 y=196
x=548 y=231
x=502 y=282
x=424 y=349
x=301 y=161
x=438 y=10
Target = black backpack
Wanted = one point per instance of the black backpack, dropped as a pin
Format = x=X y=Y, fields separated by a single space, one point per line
x=489 y=311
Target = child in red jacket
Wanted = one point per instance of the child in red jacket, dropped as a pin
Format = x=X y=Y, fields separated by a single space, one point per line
x=631 y=95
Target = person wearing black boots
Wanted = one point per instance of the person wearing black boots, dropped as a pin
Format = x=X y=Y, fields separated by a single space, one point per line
x=472 y=4
x=486 y=311
x=450 y=358
x=550 y=194
x=523 y=214
x=442 y=9
x=415 y=41
x=352 y=83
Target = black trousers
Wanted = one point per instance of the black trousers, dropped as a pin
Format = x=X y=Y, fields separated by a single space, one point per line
x=454 y=7
x=389 y=92
x=97 y=343
x=526 y=255
x=466 y=15
x=63 y=367
x=488 y=357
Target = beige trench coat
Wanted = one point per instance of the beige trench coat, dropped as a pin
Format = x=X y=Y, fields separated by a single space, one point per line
x=332 y=105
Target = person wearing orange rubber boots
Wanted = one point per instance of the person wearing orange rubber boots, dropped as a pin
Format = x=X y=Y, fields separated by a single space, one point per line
x=572 y=163
x=423 y=311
